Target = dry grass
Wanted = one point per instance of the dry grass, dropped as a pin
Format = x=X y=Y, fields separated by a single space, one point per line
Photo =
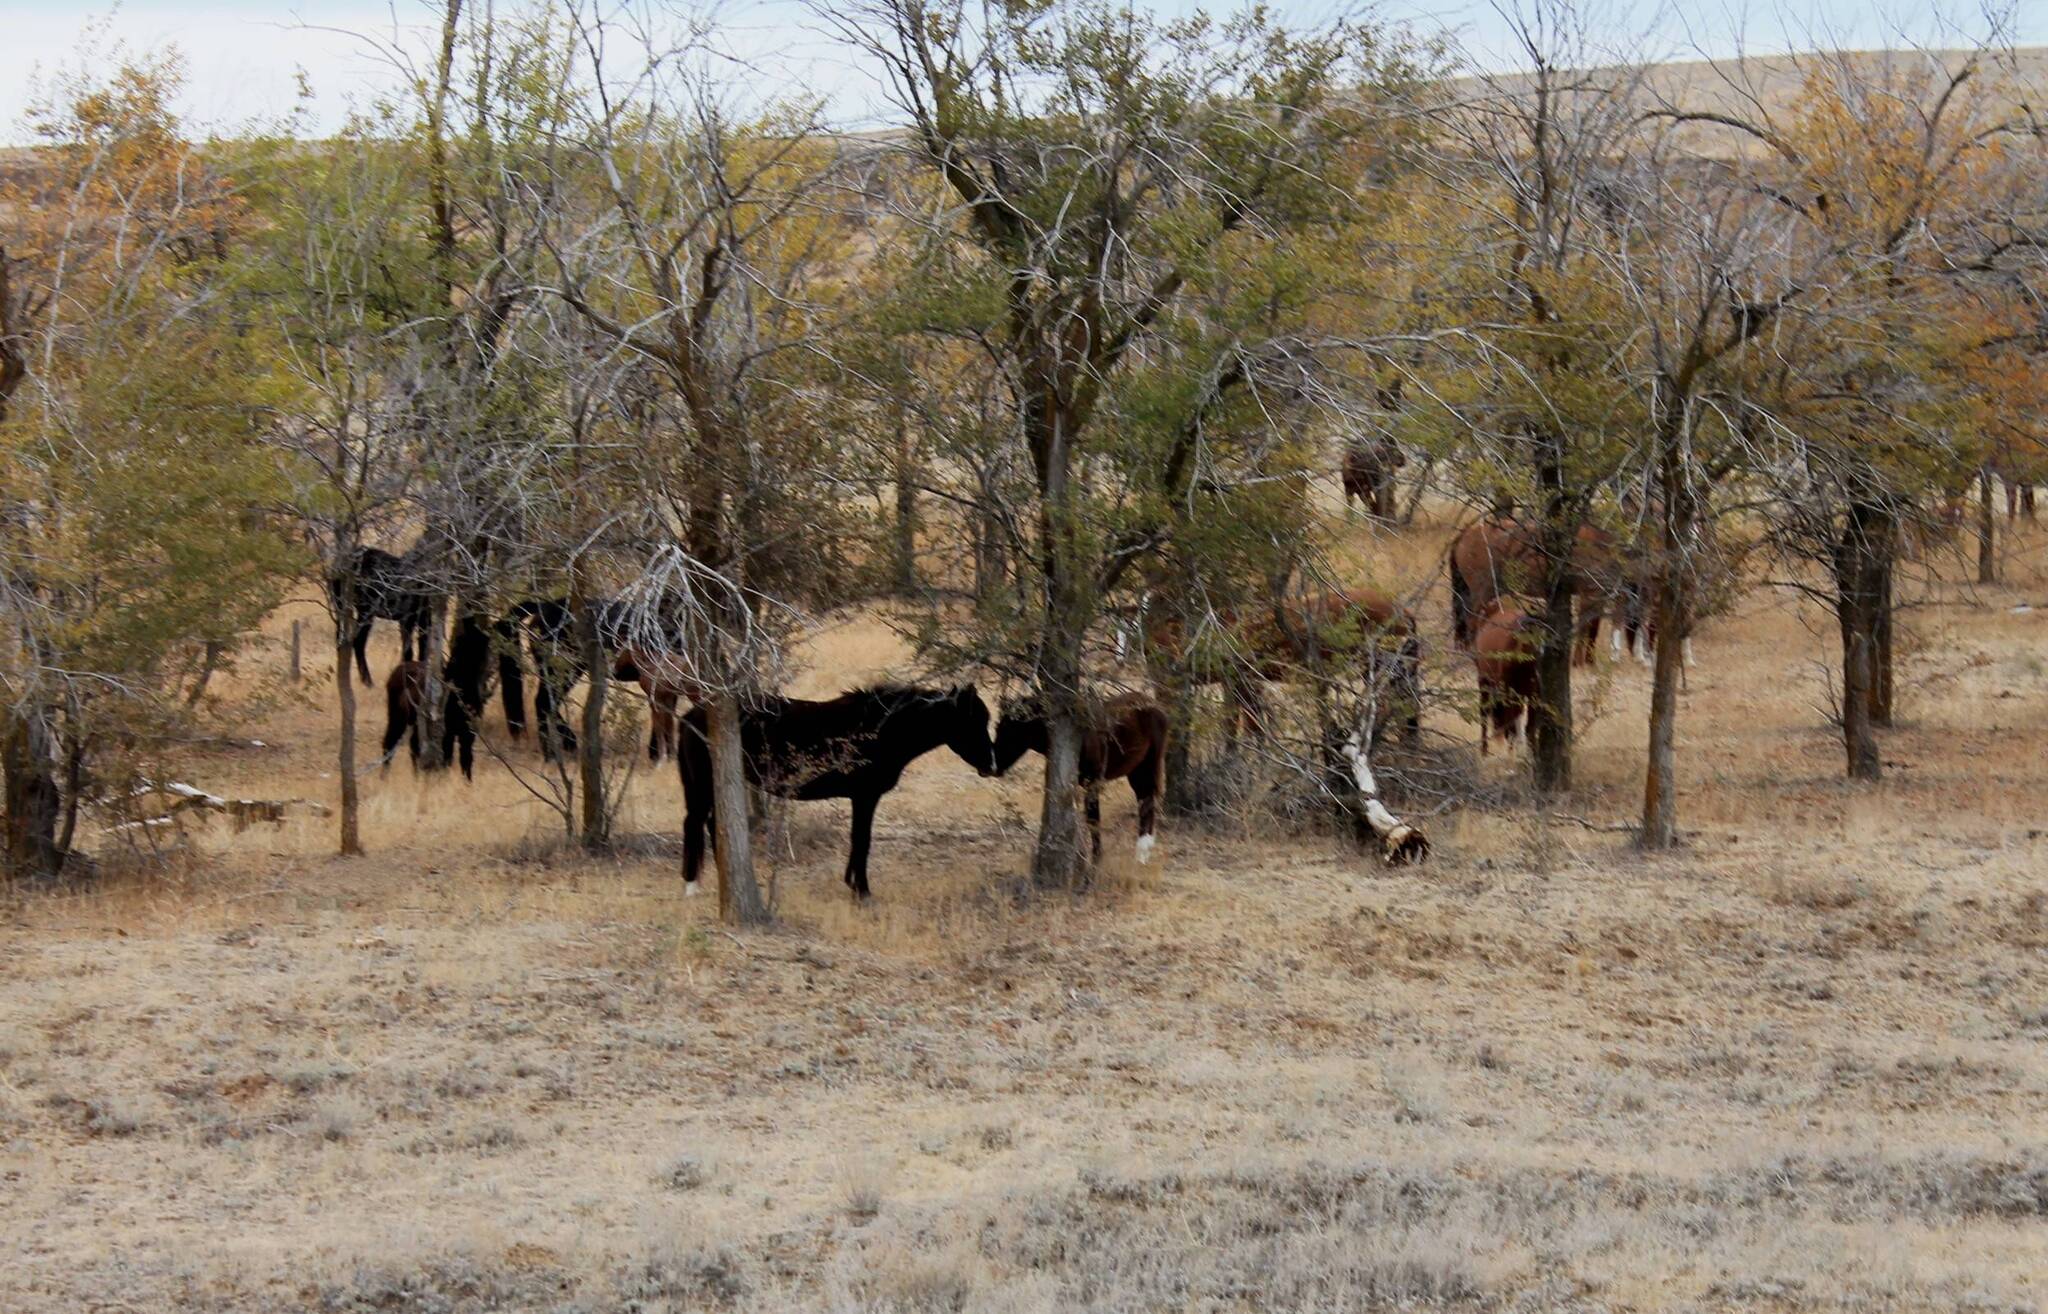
x=1798 y=1066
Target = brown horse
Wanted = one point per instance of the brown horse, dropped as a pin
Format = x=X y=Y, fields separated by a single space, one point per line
x=1368 y=474
x=1124 y=739
x=1504 y=651
x=1498 y=557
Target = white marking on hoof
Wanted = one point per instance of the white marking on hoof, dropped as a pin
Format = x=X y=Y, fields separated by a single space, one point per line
x=1145 y=843
x=690 y=889
x=1688 y=652
x=1614 y=642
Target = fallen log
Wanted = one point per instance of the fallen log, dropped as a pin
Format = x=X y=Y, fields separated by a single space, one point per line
x=243 y=812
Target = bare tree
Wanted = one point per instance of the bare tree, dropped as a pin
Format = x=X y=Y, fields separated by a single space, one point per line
x=700 y=253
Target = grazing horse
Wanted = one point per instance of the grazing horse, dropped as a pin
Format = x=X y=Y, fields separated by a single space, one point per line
x=405 y=691
x=1126 y=738
x=557 y=657
x=1493 y=558
x=1368 y=474
x=854 y=747
x=1504 y=651
x=386 y=588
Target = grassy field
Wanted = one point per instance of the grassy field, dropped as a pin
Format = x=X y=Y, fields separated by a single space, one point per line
x=1799 y=1066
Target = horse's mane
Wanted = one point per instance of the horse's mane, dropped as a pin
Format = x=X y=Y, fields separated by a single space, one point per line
x=896 y=691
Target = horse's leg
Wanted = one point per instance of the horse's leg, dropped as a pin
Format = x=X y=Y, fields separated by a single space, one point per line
x=1094 y=807
x=858 y=843
x=1250 y=706
x=1485 y=717
x=362 y=644
x=456 y=730
x=1145 y=785
x=693 y=848
x=661 y=723
x=394 y=730
x=405 y=633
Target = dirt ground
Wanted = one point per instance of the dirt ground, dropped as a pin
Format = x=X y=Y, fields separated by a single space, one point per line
x=1803 y=1065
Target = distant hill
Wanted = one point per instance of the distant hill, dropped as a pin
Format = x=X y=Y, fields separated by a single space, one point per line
x=1766 y=85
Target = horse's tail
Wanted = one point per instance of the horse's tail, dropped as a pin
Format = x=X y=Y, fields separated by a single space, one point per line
x=1461 y=600
x=511 y=675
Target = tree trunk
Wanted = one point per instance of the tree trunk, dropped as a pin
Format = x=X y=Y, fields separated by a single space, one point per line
x=906 y=503
x=1882 y=682
x=31 y=798
x=1671 y=576
x=1987 y=560
x=991 y=569
x=739 y=898
x=1056 y=863
x=1550 y=719
x=1858 y=600
x=433 y=711
x=345 y=754
x=1179 y=694
x=590 y=746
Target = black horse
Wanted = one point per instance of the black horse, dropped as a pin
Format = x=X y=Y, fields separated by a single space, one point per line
x=854 y=747
x=1124 y=739
x=469 y=657
x=387 y=588
x=557 y=657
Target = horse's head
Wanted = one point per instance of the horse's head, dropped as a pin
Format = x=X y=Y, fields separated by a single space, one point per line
x=967 y=730
x=1021 y=730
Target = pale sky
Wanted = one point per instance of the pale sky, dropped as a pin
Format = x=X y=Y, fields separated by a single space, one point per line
x=243 y=56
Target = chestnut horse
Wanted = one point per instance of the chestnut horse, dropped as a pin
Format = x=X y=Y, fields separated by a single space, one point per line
x=1497 y=557
x=1504 y=651
x=1124 y=739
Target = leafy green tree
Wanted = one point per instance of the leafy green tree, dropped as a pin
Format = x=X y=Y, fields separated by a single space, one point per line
x=134 y=478
x=1117 y=196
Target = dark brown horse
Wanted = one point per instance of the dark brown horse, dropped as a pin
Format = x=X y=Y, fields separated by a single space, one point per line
x=556 y=656
x=386 y=588
x=854 y=747
x=1504 y=651
x=405 y=691
x=1125 y=738
x=1370 y=465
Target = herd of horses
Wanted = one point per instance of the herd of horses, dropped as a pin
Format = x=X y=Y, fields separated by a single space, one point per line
x=857 y=746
